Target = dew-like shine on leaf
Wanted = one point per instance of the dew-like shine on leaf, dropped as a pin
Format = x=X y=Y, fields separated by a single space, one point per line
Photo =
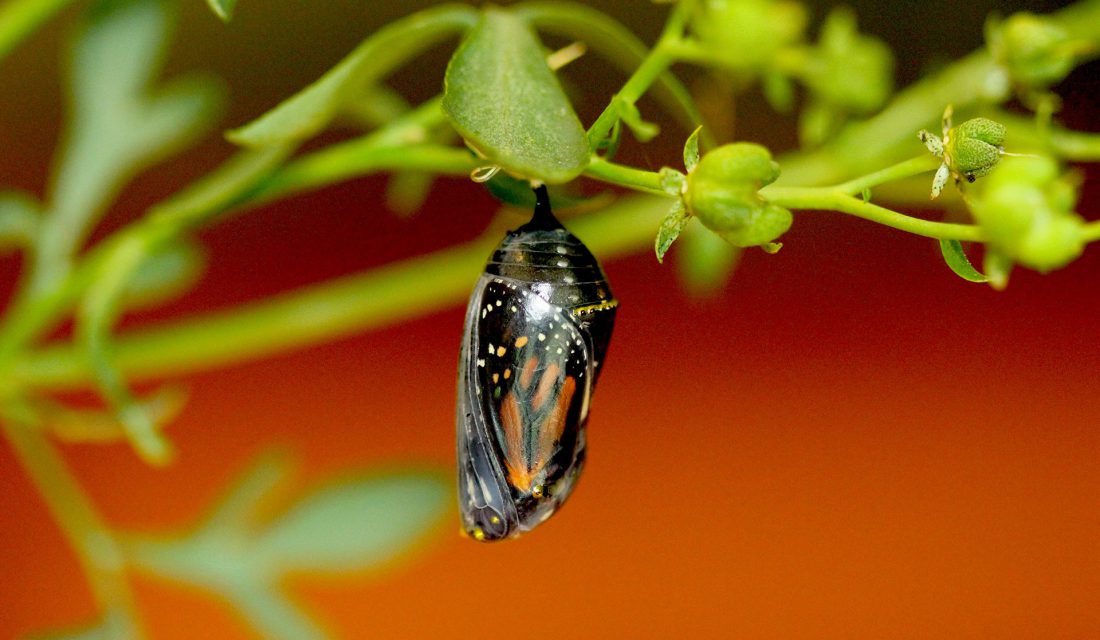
x=506 y=102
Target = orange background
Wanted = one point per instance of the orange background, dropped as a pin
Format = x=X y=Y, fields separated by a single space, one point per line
x=849 y=442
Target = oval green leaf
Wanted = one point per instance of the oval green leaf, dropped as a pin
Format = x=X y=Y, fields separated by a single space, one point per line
x=955 y=258
x=507 y=103
x=356 y=524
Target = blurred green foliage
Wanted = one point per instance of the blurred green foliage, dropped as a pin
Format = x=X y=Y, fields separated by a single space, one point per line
x=502 y=106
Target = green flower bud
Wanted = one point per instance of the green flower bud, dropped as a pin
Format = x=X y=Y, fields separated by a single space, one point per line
x=1036 y=51
x=723 y=192
x=1025 y=209
x=750 y=32
x=973 y=148
x=849 y=71
x=766 y=225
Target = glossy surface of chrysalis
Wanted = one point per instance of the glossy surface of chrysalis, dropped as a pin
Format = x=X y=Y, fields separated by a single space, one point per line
x=537 y=329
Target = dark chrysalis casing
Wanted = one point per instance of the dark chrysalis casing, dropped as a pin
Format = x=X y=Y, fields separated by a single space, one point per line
x=537 y=329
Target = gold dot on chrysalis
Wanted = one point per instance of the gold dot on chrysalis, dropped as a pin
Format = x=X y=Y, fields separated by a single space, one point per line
x=478 y=534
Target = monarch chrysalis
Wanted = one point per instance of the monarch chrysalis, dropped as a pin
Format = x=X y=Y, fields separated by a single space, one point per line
x=537 y=329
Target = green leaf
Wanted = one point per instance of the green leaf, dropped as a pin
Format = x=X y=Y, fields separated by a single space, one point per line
x=518 y=193
x=311 y=109
x=507 y=103
x=955 y=258
x=118 y=125
x=691 y=150
x=632 y=117
x=359 y=523
x=672 y=181
x=222 y=8
x=671 y=226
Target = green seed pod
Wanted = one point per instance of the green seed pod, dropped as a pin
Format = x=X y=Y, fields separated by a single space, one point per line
x=766 y=225
x=974 y=147
x=1025 y=209
x=848 y=70
x=749 y=32
x=1036 y=51
x=723 y=192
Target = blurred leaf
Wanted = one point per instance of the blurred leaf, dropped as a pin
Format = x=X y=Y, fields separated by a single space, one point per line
x=165 y=274
x=630 y=115
x=778 y=91
x=117 y=126
x=95 y=316
x=705 y=261
x=114 y=278
x=353 y=524
x=274 y=615
x=238 y=509
x=671 y=226
x=311 y=109
x=955 y=258
x=506 y=102
x=223 y=8
x=19 y=217
x=74 y=425
x=356 y=524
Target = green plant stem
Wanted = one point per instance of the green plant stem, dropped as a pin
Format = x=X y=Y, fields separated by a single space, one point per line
x=618 y=44
x=907 y=168
x=654 y=65
x=342 y=161
x=624 y=176
x=1091 y=232
x=91 y=539
x=828 y=199
x=836 y=198
x=891 y=134
x=324 y=312
x=1067 y=144
x=19 y=18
